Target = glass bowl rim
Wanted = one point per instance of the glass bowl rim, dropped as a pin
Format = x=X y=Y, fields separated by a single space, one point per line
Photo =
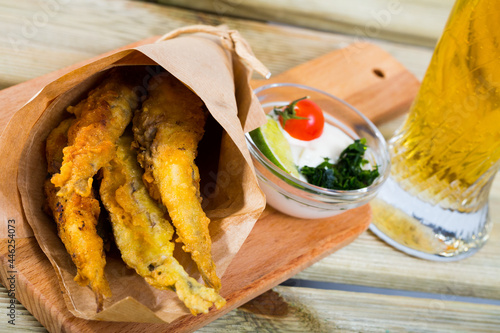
x=302 y=185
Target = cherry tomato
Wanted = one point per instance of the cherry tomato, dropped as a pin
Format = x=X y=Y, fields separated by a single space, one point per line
x=302 y=119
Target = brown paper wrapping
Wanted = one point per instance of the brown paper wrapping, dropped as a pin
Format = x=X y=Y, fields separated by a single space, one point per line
x=216 y=64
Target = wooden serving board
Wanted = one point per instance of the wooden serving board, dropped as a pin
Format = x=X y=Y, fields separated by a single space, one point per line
x=278 y=247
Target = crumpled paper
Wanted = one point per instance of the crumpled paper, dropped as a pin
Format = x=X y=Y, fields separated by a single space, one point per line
x=216 y=64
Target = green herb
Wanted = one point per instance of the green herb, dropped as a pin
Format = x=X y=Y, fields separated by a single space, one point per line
x=346 y=174
x=288 y=112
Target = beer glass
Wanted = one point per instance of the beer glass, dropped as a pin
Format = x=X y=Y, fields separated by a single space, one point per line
x=446 y=154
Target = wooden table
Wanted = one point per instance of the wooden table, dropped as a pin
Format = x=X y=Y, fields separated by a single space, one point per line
x=364 y=287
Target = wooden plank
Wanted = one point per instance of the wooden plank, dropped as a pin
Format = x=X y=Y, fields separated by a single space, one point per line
x=78 y=30
x=351 y=66
x=262 y=262
x=369 y=261
x=81 y=30
x=409 y=21
x=293 y=309
x=349 y=63
x=313 y=310
x=23 y=320
x=14 y=96
x=254 y=270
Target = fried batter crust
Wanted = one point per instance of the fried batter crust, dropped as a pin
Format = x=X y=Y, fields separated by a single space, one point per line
x=76 y=218
x=101 y=120
x=167 y=131
x=143 y=234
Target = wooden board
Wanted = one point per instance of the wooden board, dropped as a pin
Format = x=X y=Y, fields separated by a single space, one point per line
x=363 y=75
x=277 y=248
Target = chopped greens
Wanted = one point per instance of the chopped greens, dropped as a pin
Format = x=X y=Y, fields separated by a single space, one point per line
x=346 y=174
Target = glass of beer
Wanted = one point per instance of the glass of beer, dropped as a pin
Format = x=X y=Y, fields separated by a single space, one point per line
x=446 y=154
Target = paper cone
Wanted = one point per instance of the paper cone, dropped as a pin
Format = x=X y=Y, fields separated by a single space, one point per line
x=216 y=64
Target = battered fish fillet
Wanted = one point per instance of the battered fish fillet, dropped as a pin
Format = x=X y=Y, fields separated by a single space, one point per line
x=144 y=235
x=101 y=120
x=76 y=218
x=167 y=131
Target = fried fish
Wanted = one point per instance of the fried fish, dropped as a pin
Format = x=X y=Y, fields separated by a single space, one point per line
x=76 y=219
x=167 y=130
x=101 y=119
x=143 y=234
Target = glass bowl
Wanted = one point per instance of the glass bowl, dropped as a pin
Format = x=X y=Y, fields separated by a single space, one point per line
x=298 y=198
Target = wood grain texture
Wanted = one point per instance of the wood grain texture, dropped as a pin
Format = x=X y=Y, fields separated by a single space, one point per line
x=24 y=320
x=17 y=97
x=14 y=97
x=79 y=29
x=293 y=309
x=255 y=269
x=318 y=311
x=270 y=255
x=408 y=21
x=388 y=89
x=369 y=261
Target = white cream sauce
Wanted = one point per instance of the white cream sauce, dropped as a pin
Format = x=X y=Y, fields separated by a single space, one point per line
x=312 y=153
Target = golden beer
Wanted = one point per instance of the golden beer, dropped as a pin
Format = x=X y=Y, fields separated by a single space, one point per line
x=448 y=150
x=452 y=136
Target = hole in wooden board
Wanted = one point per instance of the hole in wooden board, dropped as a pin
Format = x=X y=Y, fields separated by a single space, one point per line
x=379 y=73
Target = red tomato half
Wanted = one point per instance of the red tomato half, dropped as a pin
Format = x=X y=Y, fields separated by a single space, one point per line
x=305 y=129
